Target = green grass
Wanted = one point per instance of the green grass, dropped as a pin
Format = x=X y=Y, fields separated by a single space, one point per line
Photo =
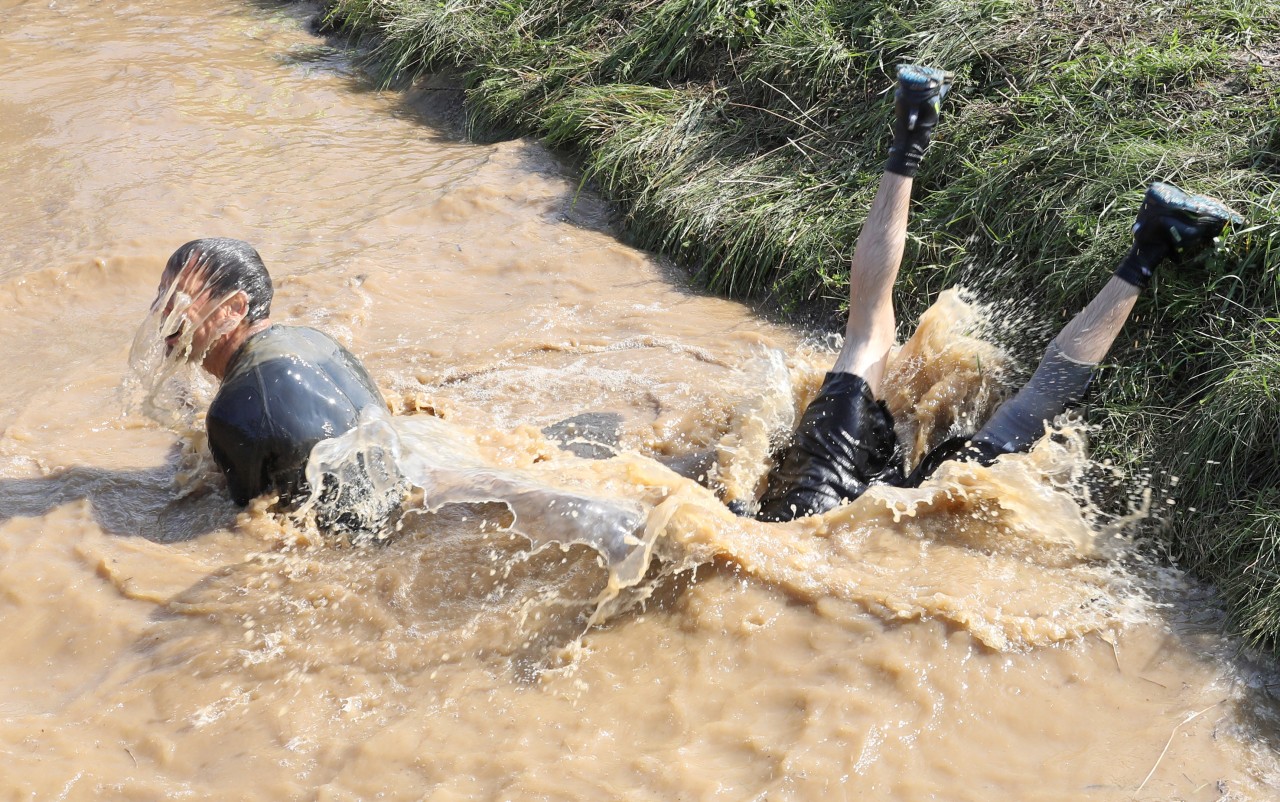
x=744 y=138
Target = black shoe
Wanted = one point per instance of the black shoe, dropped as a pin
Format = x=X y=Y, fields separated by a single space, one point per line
x=1182 y=222
x=917 y=102
x=1172 y=224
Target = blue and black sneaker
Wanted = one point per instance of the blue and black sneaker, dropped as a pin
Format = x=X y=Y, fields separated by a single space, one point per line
x=1172 y=224
x=917 y=102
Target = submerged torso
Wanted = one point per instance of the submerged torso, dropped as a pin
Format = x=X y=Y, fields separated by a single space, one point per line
x=286 y=389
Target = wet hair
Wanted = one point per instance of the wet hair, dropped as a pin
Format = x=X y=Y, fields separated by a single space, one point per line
x=228 y=265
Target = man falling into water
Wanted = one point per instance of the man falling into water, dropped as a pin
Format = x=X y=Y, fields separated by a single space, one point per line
x=283 y=388
x=845 y=441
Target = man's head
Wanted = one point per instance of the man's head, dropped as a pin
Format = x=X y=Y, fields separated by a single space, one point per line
x=212 y=288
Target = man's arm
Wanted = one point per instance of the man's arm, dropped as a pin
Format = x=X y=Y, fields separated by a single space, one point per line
x=240 y=452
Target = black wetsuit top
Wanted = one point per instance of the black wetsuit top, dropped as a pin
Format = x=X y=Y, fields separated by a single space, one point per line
x=285 y=390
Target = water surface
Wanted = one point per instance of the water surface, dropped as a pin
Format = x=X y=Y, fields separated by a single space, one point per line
x=974 y=639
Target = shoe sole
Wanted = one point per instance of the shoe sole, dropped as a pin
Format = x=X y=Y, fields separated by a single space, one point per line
x=925 y=81
x=1201 y=209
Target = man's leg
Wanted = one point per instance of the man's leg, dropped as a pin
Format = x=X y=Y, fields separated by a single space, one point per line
x=845 y=438
x=1171 y=224
x=871 y=328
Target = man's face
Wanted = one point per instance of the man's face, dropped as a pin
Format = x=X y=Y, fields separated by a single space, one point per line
x=194 y=317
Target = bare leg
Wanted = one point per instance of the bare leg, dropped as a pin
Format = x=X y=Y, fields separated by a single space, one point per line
x=845 y=439
x=1064 y=373
x=871 y=328
x=1089 y=335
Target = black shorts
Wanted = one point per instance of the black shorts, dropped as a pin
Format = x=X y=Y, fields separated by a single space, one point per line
x=844 y=444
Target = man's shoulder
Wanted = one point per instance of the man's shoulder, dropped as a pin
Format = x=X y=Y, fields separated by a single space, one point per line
x=303 y=334
x=279 y=352
x=297 y=378
x=274 y=358
x=287 y=342
x=311 y=349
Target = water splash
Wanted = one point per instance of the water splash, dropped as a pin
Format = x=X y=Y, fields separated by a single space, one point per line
x=164 y=381
x=441 y=460
x=967 y=525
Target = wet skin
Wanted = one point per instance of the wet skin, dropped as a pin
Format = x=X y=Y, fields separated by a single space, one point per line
x=216 y=322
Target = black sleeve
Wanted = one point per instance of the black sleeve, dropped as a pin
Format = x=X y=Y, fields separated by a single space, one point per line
x=959 y=449
x=240 y=443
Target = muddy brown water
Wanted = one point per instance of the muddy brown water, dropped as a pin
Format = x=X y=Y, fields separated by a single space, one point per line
x=978 y=638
